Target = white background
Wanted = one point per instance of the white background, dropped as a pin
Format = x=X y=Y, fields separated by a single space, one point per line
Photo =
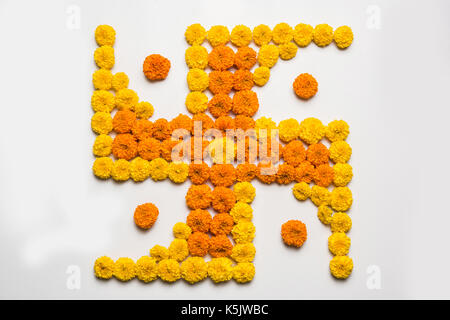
x=391 y=86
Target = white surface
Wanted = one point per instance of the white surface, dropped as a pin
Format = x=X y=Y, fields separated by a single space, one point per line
x=391 y=86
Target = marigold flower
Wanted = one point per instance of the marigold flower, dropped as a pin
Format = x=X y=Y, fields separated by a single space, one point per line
x=241 y=211
x=156 y=67
x=244 y=252
x=181 y=230
x=120 y=81
x=194 y=269
x=159 y=253
x=124 y=269
x=245 y=102
x=221 y=58
x=304 y=172
x=243 y=232
x=222 y=150
x=144 y=110
x=285 y=173
x=199 y=220
x=343 y=36
x=220 y=246
x=222 y=175
x=220 y=105
x=221 y=224
x=104 y=267
x=126 y=99
x=341 y=267
x=167 y=147
x=195 y=34
x=294 y=233
x=243 y=80
x=142 y=129
x=323 y=175
x=244 y=122
x=102 y=101
x=104 y=57
x=262 y=35
x=105 y=35
x=101 y=123
x=161 y=129
x=282 y=33
x=311 y=130
x=244 y=272
x=343 y=174
x=337 y=130
x=266 y=124
x=245 y=58
x=303 y=34
x=266 y=172
x=181 y=121
x=196 y=57
x=139 y=169
x=124 y=146
x=145 y=215
x=102 y=79
x=169 y=270
x=317 y=154
x=102 y=146
x=324 y=214
x=196 y=102
x=199 y=197
x=289 y=130
x=224 y=123
x=121 y=170
x=339 y=244
x=123 y=121
x=261 y=75
x=206 y=122
x=146 y=269
x=341 y=198
x=197 y=80
x=246 y=172
x=340 y=152
x=301 y=191
x=178 y=172
x=287 y=50
x=218 y=35
x=223 y=199
x=102 y=167
x=294 y=153
x=198 y=243
x=199 y=173
x=221 y=82
x=323 y=35
x=320 y=196
x=305 y=86
x=178 y=250
x=159 y=169
x=241 y=36
x=220 y=269
x=244 y=192
x=340 y=222
x=268 y=55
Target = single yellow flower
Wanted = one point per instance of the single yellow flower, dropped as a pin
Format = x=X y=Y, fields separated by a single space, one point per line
x=178 y=249
x=343 y=36
x=262 y=35
x=102 y=79
x=120 y=81
x=139 y=169
x=181 y=230
x=104 y=267
x=303 y=34
x=105 y=35
x=287 y=50
x=126 y=99
x=102 y=146
x=218 y=35
x=244 y=252
x=268 y=55
x=102 y=167
x=323 y=35
x=121 y=170
x=159 y=169
x=147 y=269
x=104 y=57
x=339 y=244
x=301 y=191
x=195 y=34
x=341 y=267
x=124 y=269
x=196 y=57
x=169 y=270
x=220 y=269
x=340 y=152
x=324 y=213
x=198 y=80
x=196 y=102
x=159 y=253
x=194 y=269
x=244 y=192
x=102 y=101
x=282 y=33
x=144 y=110
x=261 y=75
x=340 y=222
x=343 y=174
x=101 y=123
x=244 y=272
x=241 y=211
x=241 y=36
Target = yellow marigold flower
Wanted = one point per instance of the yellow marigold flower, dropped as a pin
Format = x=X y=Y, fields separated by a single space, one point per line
x=289 y=130
x=340 y=222
x=241 y=211
x=178 y=250
x=324 y=213
x=126 y=99
x=261 y=75
x=139 y=169
x=104 y=57
x=101 y=123
x=320 y=196
x=121 y=170
x=244 y=192
x=124 y=269
x=262 y=35
x=241 y=36
x=104 y=267
x=303 y=34
x=323 y=35
x=340 y=152
x=341 y=267
x=105 y=35
x=244 y=252
x=144 y=110
x=102 y=101
x=220 y=269
x=102 y=146
x=282 y=33
x=243 y=232
x=337 y=130
x=244 y=272
x=196 y=102
x=287 y=50
x=311 y=130
x=195 y=34
x=341 y=198
x=159 y=253
x=343 y=174
x=169 y=270
x=196 y=57
x=120 y=81
x=102 y=167
x=102 y=79
x=218 y=35
x=343 y=36
x=268 y=55
x=181 y=230
x=198 y=80
x=178 y=171
x=194 y=269
x=339 y=244
x=301 y=191
x=264 y=123
x=147 y=269
x=159 y=169
x=222 y=150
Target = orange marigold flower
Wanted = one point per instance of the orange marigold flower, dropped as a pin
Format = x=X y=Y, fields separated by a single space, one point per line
x=142 y=129
x=294 y=153
x=124 y=121
x=323 y=175
x=198 y=244
x=317 y=154
x=166 y=148
x=145 y=215
x=220 y=246
x=243 y=80
x=305 y=86
x=245 y=102
x=161 y=129
x=304 y=172
x=199 y=173
x=149 y=149
x=199 y=220
x=266 y=172
x=156 y=67
x=205 y=120
x=221 y=82
x=199 y=197
x=222 y=175
x=221 y=58
x=285 y=173
x=181 y=121
x=244 y=122
x=245 y=58
x=294 y=233
x=246 y=172
x=224 y=123
x=220 y=105
x=223 y=199
x=196 y=153
x=250 y=145
x=124 y=146
x=221 y=224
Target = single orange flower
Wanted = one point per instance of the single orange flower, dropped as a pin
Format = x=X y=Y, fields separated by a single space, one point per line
x=142 y=129
x=221 y=58
x=124 y=146
x=145 y=215
x=285 y=173
x=220 y=105
x=294 y=233
x=245 y=58
x=305 y=86
x=223 y=199
x=205 y=121
x=149 y=149
x=245 y=102
x=166 y=148
x=222 y=175
x=243 y=80
x=156 y=67
x=221 y=82
x=246 y=172
x=199 y=197
x=220 y=246
x=199 y=173
x=161 y=129
x=224 y=123
x=124 y=121
x=198 y=244
x=266 y=172
x=244 y=122
x=199 y=220
x=221 y=224
x=294 y=153
x=318 y=154
x=323 y=175
x=181 y=121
